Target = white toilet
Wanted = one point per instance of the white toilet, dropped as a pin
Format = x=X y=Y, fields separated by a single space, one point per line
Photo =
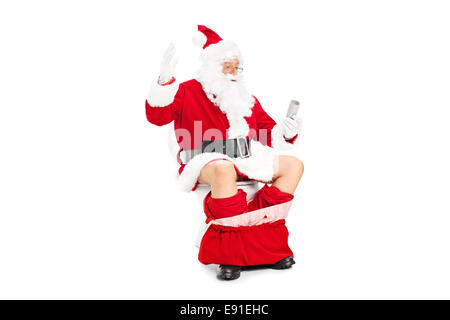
x=249 y=186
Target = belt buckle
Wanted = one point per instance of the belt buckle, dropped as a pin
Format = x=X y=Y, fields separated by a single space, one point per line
x=247 y=147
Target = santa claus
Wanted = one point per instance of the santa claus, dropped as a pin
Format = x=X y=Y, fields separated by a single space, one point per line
x=224 y=135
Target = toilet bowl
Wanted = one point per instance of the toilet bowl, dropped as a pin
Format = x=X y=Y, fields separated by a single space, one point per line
x=248 y=186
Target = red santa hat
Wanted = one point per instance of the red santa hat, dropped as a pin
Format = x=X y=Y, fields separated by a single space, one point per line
x=205 y=36
x=214 y=47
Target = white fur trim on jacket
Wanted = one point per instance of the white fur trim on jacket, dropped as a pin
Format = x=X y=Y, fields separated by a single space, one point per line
x=259 y=166
x=278 y=140
x=161 y=96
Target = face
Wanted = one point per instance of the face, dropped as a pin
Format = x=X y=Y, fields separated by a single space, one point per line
x=231 y=67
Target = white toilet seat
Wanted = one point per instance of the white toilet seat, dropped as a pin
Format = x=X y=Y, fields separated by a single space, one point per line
x=238 y=183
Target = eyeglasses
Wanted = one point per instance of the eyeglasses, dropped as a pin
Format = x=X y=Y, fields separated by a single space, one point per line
x=231 y=68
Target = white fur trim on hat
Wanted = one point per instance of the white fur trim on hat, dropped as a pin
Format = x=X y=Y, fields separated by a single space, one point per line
x=222 y=51
x=278 y=140
x=161 y=96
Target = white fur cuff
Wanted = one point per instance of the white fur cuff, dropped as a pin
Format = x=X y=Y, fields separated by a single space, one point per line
x=161 y=96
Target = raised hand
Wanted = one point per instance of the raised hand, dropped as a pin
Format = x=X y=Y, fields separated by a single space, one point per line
x=168 y=63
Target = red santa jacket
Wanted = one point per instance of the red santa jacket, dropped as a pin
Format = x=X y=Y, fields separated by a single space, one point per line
x=188 y=106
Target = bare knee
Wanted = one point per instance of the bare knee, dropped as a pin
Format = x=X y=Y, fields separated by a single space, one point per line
x=297 y=166
x=290 y=165
x=223 y=170
x=219 y=171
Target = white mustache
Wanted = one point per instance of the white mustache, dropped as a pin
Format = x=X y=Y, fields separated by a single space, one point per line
x=231 y=77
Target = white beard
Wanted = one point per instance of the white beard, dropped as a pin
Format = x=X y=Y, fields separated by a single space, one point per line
x=231 y=97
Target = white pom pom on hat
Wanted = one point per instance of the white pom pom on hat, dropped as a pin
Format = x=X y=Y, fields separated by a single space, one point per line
x=199 y=39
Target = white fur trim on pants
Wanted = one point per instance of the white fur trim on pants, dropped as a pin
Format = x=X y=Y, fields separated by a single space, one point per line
x=252 y=218
x=161 y=96
x=257 y=217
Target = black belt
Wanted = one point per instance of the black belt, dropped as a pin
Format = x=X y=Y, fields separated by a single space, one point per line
x=234 y=148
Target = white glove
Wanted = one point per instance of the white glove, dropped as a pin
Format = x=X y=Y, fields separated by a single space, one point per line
x=291 y=127
x=168 y=63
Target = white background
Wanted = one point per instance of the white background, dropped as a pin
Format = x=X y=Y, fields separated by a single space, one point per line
x=88 y=201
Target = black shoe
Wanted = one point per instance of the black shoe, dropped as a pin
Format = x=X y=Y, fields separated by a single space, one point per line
x=228 y=272
x=282 y=264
